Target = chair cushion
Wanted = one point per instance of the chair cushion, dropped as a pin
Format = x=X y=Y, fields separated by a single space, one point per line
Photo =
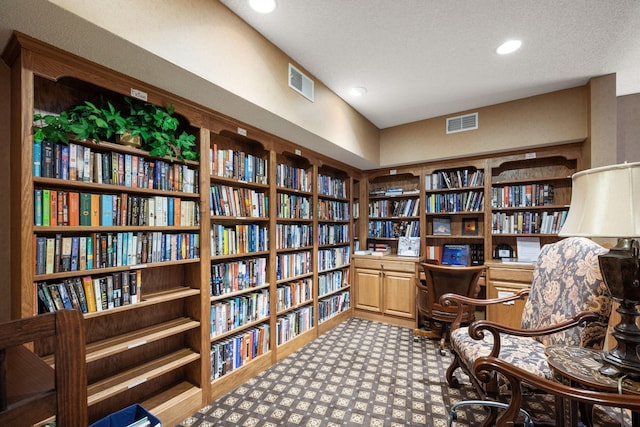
x=566 y=281
x=523 y=352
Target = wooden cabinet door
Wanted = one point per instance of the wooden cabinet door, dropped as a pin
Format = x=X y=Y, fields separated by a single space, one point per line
x=368 y=290
x=399 y=291
x=510 y=313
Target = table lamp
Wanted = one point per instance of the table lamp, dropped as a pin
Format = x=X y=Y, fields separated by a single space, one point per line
x=605 y=202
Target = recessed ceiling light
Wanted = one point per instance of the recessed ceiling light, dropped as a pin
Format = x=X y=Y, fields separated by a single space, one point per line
x=357 y=91
x=263 y=6
x=509 y=46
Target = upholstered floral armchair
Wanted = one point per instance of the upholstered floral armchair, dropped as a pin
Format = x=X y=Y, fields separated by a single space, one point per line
x=567 y=290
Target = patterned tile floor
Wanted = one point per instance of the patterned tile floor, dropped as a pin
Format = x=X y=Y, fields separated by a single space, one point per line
x=361 y=373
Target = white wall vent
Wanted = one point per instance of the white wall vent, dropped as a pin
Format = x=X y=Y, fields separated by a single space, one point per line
x=462 y=123
x=300 y=83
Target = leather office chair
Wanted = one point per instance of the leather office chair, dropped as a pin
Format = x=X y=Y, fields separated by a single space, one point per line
x=443 y=279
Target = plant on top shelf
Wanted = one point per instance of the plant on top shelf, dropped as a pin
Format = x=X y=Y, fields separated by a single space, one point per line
x=84 y=121
x=158 y=128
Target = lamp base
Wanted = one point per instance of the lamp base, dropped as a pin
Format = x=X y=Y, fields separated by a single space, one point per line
x=615 y=365
x=621 y=272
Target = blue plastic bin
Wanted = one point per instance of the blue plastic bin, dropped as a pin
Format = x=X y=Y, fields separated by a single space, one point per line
x=127 y=416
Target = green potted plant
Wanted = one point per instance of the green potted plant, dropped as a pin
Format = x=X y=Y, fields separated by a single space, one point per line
x=84 y=121
x=158 y=127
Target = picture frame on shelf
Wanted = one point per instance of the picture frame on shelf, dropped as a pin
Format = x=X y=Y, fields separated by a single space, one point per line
x=470 y=226
x=442 y=226
x=409 y=246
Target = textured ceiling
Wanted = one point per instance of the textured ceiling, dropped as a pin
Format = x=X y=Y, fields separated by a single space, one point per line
x=426 y=58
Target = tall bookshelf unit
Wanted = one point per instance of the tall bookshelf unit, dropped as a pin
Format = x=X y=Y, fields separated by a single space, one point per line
x=394 y=208
x=294 y=244
x=530 y=195
x=239 y=285
x=455 y=206
x=147 y=348
x=334 y=245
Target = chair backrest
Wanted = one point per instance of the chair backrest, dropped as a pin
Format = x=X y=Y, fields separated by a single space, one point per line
x=29 y=390
x=442 y=279
x=566 y=281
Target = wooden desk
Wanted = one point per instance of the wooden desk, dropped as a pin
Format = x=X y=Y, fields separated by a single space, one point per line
x=580 y=367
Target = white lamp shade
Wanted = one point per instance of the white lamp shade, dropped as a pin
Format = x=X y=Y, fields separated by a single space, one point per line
x=605 y=202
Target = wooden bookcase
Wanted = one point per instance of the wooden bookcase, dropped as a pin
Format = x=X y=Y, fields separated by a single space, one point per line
x=394 y=206
x=334 y=245
x=455 y=207
x=294 y=258
x=168 y=359
x=150 y=351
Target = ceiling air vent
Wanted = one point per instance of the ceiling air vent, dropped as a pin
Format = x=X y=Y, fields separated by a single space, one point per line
x=462 y=123
x=300 y=83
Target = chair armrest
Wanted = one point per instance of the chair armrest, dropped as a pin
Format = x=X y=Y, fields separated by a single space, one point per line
x=485 y=366
x=477 y=328
x=449 y=299
x=461 y=300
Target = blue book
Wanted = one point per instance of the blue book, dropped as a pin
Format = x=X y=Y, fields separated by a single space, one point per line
x=106 y=210
x=170 y=211
x=64 y=165
x=89 y=253
x=37 y=158
x=75 y=253
x=64 y=296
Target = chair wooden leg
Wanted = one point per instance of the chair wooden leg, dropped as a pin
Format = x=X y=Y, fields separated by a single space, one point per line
x=452 y=380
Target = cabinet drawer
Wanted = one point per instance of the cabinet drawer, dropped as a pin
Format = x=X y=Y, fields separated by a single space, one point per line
x=511 y=274
x=382 y=264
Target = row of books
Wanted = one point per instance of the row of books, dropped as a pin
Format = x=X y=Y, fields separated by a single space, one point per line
x=331 y=186
x=233 y=313
x=294 y=323
x=332 y=306
x=376 y=249
x=292 y=265
x=394 y=208
x=293 y=236
x=233 y=201
x=237 y=350
x=75 y=162
x=333 y=257
x=332 y=281
x=332 y=210
x=292 y=294
x=468 y=201
x=333 y=234
x=90 y=294
x=235 y=164
x=60 y=253
x=528 y=222
x=522 y=195
x=238 y=239
x=227 y=277
x=459 y=178
x=293 y=206
x=393 y=191
x=292 y=177
x=394 y=229
x=71 y=208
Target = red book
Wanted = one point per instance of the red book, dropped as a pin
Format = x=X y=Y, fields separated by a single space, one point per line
x=53 y=213
x=74 y=208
